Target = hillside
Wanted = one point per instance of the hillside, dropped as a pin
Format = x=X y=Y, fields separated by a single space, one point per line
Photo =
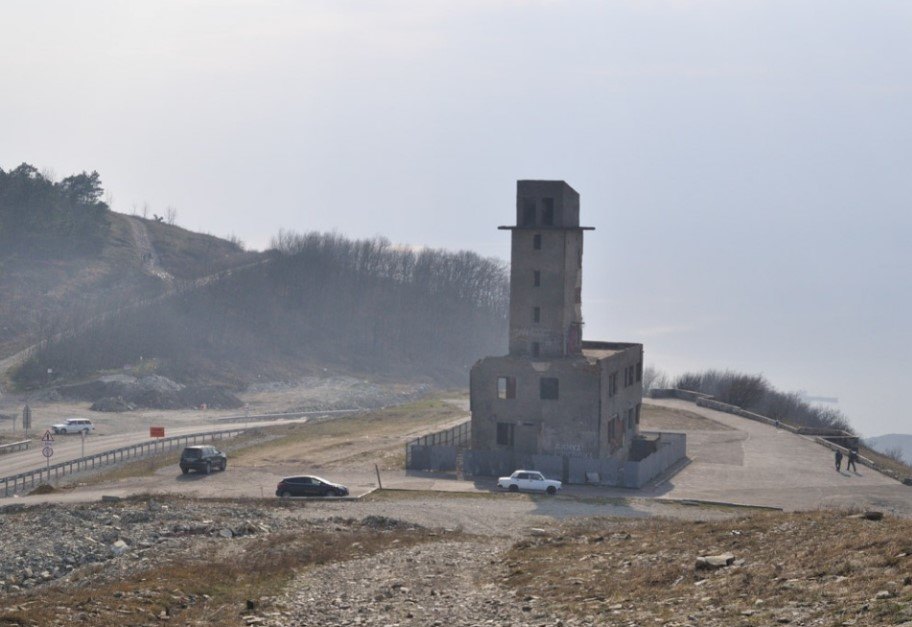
x=321 y=302
x=893 y=443
x=65 y=257
x=97 y=292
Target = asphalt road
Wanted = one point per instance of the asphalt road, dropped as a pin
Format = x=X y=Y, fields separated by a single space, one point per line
x=67 y=447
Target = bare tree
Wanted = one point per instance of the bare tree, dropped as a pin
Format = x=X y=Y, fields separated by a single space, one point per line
x=145 y=210
x=170 y=215
x=654 y=378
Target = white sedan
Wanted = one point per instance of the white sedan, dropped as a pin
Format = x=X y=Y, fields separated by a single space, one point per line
x=531 y=480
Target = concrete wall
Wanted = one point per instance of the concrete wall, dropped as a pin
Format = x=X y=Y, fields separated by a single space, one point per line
x=671 y=449
x=431 y=457
x=560 y=275
x=566 y=426
x=625 y=399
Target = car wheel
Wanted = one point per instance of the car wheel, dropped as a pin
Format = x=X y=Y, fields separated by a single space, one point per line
x=513 y=488
x=551 y=490
x=286 y=494
x=224 y=465
x=185 y=470
x=338 y=493
x=208 y=469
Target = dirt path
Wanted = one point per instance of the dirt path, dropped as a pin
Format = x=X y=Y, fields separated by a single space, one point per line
x=146 y=251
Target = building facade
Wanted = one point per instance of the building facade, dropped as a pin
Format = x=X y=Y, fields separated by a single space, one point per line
x=553 y=394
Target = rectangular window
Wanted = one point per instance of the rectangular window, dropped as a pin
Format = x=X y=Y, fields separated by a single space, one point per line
x=639 y=371
x=548 y=388
x=536 y=241
x=528 y=212
x=536 y=278
x=548 y=211
x=536 y=314
x=611 y=428
x=637 y=417
x=536 y=349
x=630 y=418
x=506 y=387
x=612 y=384
x=504 y=434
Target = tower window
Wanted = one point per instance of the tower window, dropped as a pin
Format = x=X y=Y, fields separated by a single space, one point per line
x=536 y=278
x=612 y=384
x=536 y=314
x=506 y=387
x=639 y=371
x=548 y=211
x=536 y=349
x=504 y=434
x=536 y=241
x=549 y=388
x=528 y=212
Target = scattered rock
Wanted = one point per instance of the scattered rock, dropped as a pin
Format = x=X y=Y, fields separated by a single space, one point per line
x=120 y=547
x=883 y=594
x=714 y=562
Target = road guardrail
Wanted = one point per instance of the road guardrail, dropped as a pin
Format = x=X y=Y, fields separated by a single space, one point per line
x=30 y=479
x=14 y=446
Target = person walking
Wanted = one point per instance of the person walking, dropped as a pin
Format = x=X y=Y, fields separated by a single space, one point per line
x=838 y=460
x=853 y=457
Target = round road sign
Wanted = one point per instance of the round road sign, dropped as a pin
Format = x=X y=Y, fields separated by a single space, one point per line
x=47 y=451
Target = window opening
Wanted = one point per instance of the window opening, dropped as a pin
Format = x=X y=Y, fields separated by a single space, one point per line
x=548 y=211
x=536 y=314
x=536 y=278
x=506 y=387
x=549 y=388
x=528 y=212
x=504 y=434
x=536 y=241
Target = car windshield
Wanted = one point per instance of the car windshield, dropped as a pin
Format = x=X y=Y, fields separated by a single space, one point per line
x=193 y=453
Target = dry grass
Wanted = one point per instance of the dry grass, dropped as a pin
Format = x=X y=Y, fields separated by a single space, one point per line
x=819 y=568
x=371 y=436
x=211 y=585
x=901 y=469
x=659 y=418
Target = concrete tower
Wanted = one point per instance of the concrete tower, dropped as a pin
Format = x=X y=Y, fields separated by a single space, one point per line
x=546 y=271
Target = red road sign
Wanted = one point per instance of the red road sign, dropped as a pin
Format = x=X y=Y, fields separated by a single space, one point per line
x=47 y=451
x=47 y=437
x=156 y=432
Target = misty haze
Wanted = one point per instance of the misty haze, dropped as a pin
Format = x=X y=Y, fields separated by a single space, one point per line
x=526 y=312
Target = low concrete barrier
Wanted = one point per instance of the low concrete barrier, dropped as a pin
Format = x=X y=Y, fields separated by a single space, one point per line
x=705 y=400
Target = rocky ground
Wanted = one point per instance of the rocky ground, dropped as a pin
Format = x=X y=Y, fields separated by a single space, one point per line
x=389 y=561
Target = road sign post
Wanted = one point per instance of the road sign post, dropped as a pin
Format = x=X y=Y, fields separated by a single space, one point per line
x=47 y=450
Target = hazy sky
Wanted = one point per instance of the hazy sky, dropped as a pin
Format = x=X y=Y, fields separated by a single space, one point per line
x=747 y=165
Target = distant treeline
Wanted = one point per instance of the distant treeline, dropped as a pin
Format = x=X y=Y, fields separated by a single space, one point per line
x=42 y=217
x=754 y=393
x=322 y=299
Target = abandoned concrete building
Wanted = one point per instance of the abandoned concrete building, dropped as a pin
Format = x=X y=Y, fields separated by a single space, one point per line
x=555 y=403
x=554 y=394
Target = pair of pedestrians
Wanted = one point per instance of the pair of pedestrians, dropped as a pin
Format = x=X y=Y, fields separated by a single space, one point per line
x=850 y=465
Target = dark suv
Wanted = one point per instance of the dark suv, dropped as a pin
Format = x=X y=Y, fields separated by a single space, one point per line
x=202 y=459
x=309 y=486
